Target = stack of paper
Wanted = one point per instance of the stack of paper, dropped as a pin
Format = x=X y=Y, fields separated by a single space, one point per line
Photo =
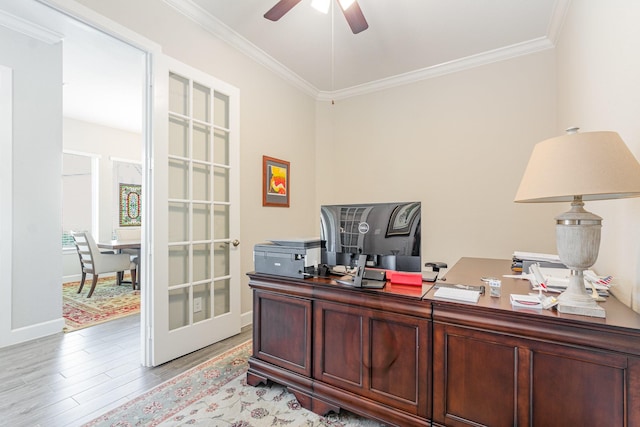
x=522 y=260
x=456 y=294
x=526 y=301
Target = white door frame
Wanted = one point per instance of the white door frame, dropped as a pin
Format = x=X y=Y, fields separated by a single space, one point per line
x=149 y=49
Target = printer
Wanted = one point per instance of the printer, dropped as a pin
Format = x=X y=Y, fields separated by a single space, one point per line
x=297 y=258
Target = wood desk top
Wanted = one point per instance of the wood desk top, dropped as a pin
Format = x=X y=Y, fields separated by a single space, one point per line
x=469 y=271
x=415 y=292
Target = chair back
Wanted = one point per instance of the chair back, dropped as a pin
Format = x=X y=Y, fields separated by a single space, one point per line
x=86 y=247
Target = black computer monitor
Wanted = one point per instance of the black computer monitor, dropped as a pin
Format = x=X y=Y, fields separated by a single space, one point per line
x=387 y=233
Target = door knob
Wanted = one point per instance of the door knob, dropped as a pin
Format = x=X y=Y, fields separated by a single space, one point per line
x=235 y=242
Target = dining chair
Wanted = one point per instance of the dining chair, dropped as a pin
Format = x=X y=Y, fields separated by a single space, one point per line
x=94 y=262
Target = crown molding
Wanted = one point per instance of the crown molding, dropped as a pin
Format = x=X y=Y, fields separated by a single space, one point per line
x=28 y=28
x=557 y=20
x=225 y=33
x=450 y=67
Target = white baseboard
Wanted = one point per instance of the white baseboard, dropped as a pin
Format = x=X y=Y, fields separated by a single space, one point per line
x=32 y=332
x=246 y=319
x=74 y=278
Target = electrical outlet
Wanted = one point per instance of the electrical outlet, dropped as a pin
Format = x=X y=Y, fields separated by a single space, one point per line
x=197 y=305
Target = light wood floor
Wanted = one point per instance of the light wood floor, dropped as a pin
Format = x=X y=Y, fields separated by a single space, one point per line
x=70 y=379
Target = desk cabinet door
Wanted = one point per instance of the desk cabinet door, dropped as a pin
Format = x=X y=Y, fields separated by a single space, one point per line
x=377 y=355
x=282 y=331
x=489 y=379
x=475 y=378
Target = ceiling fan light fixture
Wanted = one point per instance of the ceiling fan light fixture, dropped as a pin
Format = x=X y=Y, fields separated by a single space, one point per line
x=321 y=5
x=345 y=4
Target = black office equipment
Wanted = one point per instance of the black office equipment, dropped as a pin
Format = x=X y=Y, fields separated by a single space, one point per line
x=388 y=233
x=358 y=281
x=289 y=258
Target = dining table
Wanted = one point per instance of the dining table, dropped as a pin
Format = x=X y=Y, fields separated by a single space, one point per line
x=119 y=245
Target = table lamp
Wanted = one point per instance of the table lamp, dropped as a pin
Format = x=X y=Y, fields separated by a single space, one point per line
x=578 y=167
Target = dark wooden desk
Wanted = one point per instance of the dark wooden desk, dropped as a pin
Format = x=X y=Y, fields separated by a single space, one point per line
x=496 y=365
x=336 y=347
x=405 y=358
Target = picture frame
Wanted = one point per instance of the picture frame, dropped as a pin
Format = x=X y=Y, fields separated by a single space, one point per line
x=276 y=182
x=402 y=219
x=130 y=204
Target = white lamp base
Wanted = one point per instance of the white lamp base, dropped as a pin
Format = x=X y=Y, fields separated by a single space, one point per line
x=570 y=308
x=576 y=300
x=578 y=239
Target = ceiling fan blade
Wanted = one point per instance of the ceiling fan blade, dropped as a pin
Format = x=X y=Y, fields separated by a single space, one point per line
x=355 y=17
x=280 y=8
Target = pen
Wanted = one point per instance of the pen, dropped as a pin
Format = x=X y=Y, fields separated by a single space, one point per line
x=479 y=289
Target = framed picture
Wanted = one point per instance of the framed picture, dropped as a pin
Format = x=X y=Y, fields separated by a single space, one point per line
x=130 y=205
x=276 y=182
x=402 y=219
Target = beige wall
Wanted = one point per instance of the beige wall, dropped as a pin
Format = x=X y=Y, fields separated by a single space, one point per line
x=599 y=89
x=276 y=120
x=105 y=142
x=459 y=144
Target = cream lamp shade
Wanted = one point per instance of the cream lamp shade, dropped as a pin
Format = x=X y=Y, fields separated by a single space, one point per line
x=594 y=165
x=574 y=168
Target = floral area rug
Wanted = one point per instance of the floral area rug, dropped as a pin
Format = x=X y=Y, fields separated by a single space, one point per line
x=108 y=302
x=215 y=393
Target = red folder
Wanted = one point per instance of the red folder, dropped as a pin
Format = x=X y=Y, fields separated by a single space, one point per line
x=404 y=278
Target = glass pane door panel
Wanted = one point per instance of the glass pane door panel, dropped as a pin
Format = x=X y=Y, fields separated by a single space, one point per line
x=221 y=110
x=201 y=221
x=178 y=94
x=221 y=147
x=178 y=137
x=178 y=265
x=220 y=184
x=221 y=260
x=202 y=302
x=201 y=262
x=178 y=179
x=201 y=103
x=222 y=296
x=221 y=222
x=178 y=222
x=201 y=143
x=178 y=308
x=201 y=182
x=197 y=267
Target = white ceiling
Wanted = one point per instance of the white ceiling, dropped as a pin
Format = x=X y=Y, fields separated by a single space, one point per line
x=406 y=39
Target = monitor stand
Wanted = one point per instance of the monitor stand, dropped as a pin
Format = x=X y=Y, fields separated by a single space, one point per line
x=372 y=284
x=358 y=281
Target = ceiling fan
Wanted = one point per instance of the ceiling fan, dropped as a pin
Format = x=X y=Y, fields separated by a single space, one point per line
x=350 y=9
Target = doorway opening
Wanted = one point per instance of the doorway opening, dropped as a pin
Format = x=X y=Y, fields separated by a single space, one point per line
x=103 y=152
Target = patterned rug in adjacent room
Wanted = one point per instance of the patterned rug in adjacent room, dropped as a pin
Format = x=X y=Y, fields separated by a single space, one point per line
x=215 y=393
x=108 y=302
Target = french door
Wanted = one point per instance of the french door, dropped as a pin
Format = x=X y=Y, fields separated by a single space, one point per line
x=194 y=174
